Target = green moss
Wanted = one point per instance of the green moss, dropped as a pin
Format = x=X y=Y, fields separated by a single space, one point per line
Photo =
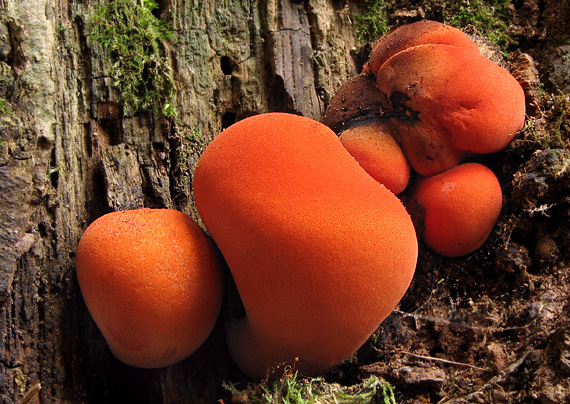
x=20 y=379
x=293 y=390
x=4 y=106
x=132 y=37
x=196 y=135
x=191 y=146
x=5 y=81
x=373 y=23
x=490 y=17
x=561 y=117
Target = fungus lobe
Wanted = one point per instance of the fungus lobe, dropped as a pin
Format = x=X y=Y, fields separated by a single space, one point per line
x=418 y=33
x=152 y=281
x=379 y=154
x=448 y=103
x=320 y=252
x=356 y=100
x=461 y=207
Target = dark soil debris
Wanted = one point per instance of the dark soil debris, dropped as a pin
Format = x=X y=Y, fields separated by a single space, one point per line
x=494 y=327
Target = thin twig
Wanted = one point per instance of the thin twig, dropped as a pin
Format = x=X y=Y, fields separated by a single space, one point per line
x=31 y=394
x=442 y=321
x=431 y=358
x=495 y=380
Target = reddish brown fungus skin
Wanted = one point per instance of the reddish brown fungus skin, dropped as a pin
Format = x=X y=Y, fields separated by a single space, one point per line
x=461 y=207
x=152 y=281
x=320 y=252
x=419 y=33
x=358 y=99
x=448 y=103
x=379 y=154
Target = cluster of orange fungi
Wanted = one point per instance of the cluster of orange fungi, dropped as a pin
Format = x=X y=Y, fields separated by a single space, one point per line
x=308 y=222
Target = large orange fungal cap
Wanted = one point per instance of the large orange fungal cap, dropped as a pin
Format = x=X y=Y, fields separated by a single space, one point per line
x=320 y=252
x=152 y=281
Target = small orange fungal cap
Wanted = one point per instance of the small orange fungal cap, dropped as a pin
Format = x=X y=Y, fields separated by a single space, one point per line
x=152 y=281
x=379 y=154
x=461 y=207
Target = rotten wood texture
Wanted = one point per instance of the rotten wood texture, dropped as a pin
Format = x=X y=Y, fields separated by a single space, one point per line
x=68 y=155
x=292 y=58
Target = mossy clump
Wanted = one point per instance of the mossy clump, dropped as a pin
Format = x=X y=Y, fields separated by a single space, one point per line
x=291 y=389
x=373 y=22
x=491 y=18
x=132 y=36
x=552 y=129
x=561 y=117
x=6 y=81
x=4 y=106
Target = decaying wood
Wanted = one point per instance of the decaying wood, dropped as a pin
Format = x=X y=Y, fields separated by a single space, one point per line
x=68 y=155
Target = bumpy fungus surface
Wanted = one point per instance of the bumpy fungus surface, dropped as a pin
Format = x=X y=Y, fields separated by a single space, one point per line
x=320 y=252
x=419 y=33
x=461 y=207
x=438 y=97
x=379 y=154
x=448 y=103
x=152 y=281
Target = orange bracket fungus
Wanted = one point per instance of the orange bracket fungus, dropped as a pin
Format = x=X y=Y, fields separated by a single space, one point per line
x=379 y=154
x=152 y=281
x=320 y=252
x=460 y=208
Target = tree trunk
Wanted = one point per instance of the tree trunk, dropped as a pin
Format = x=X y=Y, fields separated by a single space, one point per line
x=68 y=154
x=72 y=150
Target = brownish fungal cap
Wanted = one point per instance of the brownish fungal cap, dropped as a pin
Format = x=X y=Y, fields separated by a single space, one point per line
x=357 y=99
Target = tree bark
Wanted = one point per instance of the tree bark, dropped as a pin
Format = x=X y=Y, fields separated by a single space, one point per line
x=68 y=155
